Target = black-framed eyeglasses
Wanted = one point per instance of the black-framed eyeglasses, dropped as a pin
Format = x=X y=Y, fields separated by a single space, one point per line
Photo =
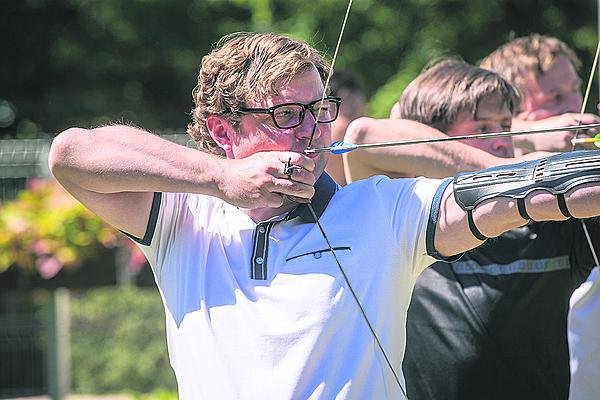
x=291 y=115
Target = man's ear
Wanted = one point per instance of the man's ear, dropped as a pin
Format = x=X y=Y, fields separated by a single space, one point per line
x=222 y=132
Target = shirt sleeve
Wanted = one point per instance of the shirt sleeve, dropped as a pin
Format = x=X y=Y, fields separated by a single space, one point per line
x=434 y=215
x=414 y=205
x=163 y=225
x=147 y=239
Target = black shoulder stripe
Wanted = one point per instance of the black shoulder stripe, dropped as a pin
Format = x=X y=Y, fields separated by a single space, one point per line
x=432 y=223
x=151 y=227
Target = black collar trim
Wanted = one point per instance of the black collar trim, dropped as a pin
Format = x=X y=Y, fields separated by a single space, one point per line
x=325 y=188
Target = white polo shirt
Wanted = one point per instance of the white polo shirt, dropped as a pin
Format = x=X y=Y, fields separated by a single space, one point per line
x=261 y=311
x=584 y=346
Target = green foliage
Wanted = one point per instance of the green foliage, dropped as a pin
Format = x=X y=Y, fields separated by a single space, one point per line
x=45 y=229
x=89 y=62
x=118 y=343
x=158 y=395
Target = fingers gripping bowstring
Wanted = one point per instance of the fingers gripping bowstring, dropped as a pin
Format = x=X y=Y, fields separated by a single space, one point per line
x=583 y=106
x=318 y=223
x=289 y=168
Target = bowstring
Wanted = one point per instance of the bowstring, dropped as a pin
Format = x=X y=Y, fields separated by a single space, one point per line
x=358 y=303
x=320 y=226
x=583 y=106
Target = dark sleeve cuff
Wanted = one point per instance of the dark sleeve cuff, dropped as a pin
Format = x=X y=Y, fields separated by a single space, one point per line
x=147 y=239
x=434 y=215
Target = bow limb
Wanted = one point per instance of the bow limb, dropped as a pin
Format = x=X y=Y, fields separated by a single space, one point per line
x=583 y=107
x=333 y=60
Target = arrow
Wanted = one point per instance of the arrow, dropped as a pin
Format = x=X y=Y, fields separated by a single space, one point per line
x=595 y=140
x=344 y=147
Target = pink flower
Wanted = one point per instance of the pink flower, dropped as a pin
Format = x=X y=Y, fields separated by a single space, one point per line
x=40 y=246
x=137 y=259
x=48 y=266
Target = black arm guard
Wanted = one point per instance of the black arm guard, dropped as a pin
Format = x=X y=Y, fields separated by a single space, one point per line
x=555 y=174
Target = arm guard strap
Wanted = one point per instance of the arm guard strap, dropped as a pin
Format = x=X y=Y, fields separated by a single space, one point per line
x=555 y=174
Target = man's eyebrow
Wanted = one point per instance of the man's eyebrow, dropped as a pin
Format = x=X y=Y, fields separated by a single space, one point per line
x=476 y=116
x=298 y=102
x=479 y=119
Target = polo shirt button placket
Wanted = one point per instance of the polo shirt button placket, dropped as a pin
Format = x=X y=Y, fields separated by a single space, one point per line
x=260 y=250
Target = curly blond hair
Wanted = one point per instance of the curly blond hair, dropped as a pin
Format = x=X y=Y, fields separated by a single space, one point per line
x=246 y=66
x=520 y=57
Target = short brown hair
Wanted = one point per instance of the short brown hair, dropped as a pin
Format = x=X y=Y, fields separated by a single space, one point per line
x=447 y=88
x=246 y=66
x=520 y=57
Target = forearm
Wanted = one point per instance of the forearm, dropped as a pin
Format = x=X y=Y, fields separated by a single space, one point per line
x=124 y=159
x=500 y=199
x=524 y=143
x=555 y=141
x=496 y=216
x=435 y=160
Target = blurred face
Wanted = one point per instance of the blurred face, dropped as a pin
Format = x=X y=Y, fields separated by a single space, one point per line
x=493 y=115
x=352 y=107
x=257 y=132
x=555 y=92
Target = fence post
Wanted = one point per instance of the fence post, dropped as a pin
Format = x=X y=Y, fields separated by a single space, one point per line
x=58 y=345
x=125 y=274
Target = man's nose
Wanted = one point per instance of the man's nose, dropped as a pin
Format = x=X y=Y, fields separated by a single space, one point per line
x=502 y=146
x=305 y=129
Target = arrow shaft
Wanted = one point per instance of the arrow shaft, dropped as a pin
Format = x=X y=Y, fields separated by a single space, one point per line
x=584 y=140
x=351 y=146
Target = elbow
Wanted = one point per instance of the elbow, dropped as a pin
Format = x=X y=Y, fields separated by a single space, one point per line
x=63 y=151
x=356 y=132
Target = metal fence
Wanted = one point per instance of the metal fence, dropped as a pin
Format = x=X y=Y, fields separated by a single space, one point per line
x=25 y=337
x=21 y=159
x=22 y=348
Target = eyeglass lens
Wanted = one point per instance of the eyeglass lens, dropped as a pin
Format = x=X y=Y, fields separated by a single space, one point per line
x=291 y=115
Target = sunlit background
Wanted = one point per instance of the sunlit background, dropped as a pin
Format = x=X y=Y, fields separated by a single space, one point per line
x=79 y=313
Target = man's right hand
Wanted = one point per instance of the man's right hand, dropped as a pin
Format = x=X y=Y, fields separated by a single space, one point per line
x=259 y=180
x=556 y=141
